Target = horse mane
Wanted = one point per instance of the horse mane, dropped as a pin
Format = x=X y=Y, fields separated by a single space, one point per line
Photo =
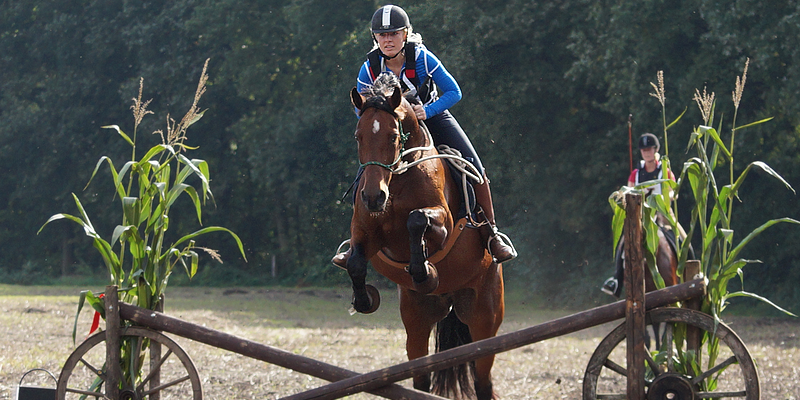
x=377 y=95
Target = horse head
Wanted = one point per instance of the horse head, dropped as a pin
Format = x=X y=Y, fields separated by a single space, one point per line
x=381 y=138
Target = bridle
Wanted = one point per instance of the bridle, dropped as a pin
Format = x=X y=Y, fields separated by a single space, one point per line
x=403 y=139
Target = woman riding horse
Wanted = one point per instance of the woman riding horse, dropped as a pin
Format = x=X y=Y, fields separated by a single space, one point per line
x=650 y=168
x=404 y=225
x=400 y=51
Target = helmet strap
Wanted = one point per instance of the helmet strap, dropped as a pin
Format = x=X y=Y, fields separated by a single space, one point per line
x=402 y=51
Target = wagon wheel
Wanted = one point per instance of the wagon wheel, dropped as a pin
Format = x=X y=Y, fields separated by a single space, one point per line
x=736 y=374
x=170 y=375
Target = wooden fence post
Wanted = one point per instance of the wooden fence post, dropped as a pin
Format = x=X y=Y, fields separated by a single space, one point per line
x=634 y=295
x=155 y=357
x=113 y=373
x=694 y=335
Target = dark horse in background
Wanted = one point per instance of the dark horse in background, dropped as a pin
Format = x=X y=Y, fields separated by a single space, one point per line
x=666 y=257
x=403 y=223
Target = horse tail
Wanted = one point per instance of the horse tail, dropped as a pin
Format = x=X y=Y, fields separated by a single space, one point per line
x=458 y=381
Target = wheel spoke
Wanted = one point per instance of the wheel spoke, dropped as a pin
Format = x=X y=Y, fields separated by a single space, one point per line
x=669 y=345
x=714 y=370
x=85 y=392
x=92 y=368
x=615 y=367
x=155 y=370
x=720 y=395
x=164 y=386
x=612 y=396
x=652 y=363
x=137 y=349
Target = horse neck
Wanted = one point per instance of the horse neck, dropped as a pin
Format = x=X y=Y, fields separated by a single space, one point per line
x=418 y=137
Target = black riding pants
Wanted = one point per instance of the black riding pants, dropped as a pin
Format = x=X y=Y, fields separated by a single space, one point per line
x=445 y=130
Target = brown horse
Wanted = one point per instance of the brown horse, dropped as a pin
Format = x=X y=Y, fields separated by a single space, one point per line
x=399 y=220
x=666 y=258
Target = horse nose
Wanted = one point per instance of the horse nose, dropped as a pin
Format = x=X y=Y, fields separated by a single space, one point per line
x=374 y=202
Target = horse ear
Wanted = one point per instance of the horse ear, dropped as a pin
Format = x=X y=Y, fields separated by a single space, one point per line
x=356 y=98
x=396 y=99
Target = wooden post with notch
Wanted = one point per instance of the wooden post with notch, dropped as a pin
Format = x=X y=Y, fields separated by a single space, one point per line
x=155 y=358
x=113 y=373
x=634 y=295
x=694 y=335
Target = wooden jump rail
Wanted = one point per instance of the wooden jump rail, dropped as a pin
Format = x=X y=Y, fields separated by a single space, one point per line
x=162 y=322
x=382 y=382
x=348 y=382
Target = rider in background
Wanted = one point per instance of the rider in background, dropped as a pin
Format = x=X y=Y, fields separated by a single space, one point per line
x=399 y=50
x=649 y=170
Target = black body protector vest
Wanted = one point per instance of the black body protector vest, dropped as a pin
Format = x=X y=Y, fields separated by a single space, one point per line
x=645 y=176
x=409 y=81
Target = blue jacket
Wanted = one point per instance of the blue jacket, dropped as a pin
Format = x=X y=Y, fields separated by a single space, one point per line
x=428 y=67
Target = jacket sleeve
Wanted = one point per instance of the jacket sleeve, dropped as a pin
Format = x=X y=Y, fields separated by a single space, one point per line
x=632 y=176
x=429 y=65
x=364 y=79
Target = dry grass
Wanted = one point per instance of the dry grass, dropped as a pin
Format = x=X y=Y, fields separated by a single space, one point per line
x=37 y=324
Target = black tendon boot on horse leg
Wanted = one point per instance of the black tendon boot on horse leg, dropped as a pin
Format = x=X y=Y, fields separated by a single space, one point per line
x=495 y=241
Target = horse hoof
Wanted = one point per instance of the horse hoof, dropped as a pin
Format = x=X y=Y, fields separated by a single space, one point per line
x=430 y=283
x=374 y=299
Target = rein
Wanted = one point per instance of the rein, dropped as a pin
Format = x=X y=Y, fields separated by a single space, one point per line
x=466 y=167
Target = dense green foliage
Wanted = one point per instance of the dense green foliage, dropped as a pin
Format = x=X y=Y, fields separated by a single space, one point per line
x=548 y=90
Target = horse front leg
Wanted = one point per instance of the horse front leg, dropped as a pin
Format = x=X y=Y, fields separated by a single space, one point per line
x=422 y=223
x=366 y=298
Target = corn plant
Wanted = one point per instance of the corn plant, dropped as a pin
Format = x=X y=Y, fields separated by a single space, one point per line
x=139 y=256
x=711 y=217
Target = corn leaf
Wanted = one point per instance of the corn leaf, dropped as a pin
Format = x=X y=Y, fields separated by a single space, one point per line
x=752 y=124
x=766 y=168
x=116 y=177
x=120 y=132
x=155 y=150
x=676 y=119
x=735 y=252
x=761 y=298
x=209 y=230
x=715 y=136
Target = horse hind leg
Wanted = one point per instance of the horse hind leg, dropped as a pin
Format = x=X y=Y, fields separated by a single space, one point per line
x=420 y=313
x=457 y=381
x=424 y=276
x=471 y=380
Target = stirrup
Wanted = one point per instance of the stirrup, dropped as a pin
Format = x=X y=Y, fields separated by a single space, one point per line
x=610 y=286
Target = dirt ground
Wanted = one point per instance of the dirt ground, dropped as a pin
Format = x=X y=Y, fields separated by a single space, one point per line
x=37 y=325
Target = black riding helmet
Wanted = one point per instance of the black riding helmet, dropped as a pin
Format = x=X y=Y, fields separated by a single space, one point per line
x=390 y=18
x=649 y=140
